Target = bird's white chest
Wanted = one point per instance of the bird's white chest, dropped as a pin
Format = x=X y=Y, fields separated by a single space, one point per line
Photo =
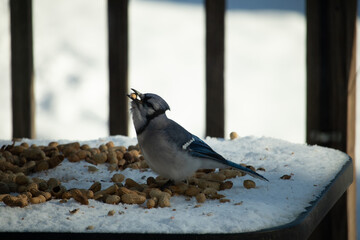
x=166 y=159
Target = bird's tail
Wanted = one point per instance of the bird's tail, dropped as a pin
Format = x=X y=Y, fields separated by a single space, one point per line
x=246 y=170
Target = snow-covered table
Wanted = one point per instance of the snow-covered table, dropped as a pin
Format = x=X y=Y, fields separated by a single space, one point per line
x=279 y=209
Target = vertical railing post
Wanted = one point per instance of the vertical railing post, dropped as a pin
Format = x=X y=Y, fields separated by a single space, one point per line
x=22 y=69
x=331 y=88
x=215 y=46
x=118 y=66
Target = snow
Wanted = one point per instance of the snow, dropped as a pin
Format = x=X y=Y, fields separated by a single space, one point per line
x=270 y=204
x=264 y=67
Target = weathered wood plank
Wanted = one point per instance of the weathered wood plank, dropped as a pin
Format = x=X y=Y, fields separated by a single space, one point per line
x=331 y=85
x=118 y=66
x=22 y=69
x=215 y=46
x=351 y=131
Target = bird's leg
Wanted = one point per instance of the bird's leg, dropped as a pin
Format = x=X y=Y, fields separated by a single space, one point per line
x=186 y=181
x=169 y=183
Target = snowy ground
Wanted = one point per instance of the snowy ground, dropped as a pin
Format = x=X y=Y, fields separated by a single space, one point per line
x=270 y=204
x=265 y=67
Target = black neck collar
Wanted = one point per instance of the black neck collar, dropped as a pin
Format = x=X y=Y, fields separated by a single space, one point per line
x=148 y=120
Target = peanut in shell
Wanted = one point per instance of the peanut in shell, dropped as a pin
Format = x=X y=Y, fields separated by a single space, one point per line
x=133 y=198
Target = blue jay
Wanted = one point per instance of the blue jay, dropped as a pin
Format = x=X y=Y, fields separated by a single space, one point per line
x=169 y=149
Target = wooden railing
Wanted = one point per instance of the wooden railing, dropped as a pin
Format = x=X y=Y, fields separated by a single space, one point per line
x=22 y=69
x=331 y=83
x=331 y=89
x=118 y=67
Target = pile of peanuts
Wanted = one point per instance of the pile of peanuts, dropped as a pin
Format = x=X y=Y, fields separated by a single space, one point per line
x=26 y=159
x=17 y=162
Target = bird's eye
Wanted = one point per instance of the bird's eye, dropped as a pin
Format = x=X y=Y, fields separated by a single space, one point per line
x=150 y=105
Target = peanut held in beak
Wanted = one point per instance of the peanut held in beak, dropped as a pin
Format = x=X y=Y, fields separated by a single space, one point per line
x=133 y=96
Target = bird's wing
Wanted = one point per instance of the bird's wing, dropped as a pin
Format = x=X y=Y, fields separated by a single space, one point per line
x=198 y=148
x=190 y=143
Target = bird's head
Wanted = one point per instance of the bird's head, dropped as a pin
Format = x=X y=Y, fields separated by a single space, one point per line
x=145 y=107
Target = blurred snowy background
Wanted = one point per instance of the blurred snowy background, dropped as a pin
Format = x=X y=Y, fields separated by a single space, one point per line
x=264 y=66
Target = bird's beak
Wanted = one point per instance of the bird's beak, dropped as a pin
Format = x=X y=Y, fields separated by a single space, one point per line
x=136 y=95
